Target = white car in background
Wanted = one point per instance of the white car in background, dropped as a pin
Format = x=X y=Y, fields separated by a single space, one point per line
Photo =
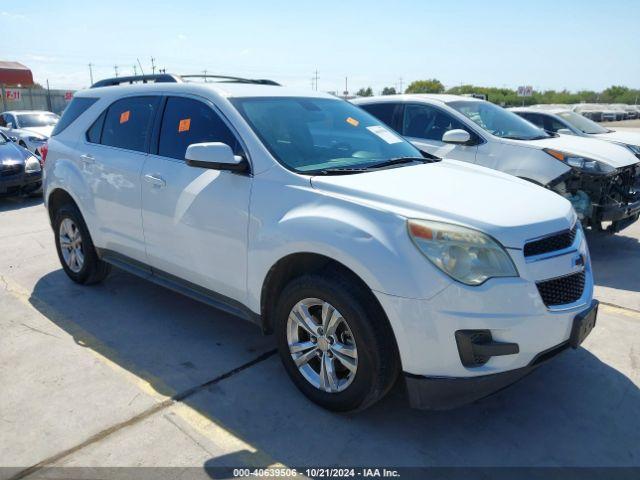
x=304 y=214
x=597 y=177
x=563 y=121
x=592 y=111
x=28 y=128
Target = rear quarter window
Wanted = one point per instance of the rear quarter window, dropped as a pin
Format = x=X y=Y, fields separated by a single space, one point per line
x=77 y=107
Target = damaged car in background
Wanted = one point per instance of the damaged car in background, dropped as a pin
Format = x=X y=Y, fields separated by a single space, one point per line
x=599 y=178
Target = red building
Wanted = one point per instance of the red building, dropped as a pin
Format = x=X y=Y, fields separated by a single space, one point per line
x=14 y=73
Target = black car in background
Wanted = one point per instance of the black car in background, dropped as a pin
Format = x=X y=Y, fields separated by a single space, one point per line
x=20 y=170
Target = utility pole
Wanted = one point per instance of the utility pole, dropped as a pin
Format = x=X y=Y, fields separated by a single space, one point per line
x=316 y=79
x=115 y=69
x=205 y=75
x=346 y=86
x=153 y=65
x=91 y=72
x=135 y=71
x=401 y=91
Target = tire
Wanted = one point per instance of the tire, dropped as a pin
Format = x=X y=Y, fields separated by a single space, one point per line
x=91 y=269
x=376 y=364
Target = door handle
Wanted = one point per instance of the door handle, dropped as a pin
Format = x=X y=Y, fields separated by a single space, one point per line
x=155 y=180
x=87 y=158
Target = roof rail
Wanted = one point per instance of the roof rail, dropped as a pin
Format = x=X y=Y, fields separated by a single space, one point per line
x=171 y=78
x=157 y=78
x=228 y=79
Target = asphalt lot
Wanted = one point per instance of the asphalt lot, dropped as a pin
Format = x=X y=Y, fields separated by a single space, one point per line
x=129 y=374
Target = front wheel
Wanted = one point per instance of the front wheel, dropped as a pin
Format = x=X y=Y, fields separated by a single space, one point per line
x=335 y=344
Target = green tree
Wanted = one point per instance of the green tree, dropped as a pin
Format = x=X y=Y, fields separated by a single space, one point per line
x=425 y=86
x=365 y=92
x=389 y=91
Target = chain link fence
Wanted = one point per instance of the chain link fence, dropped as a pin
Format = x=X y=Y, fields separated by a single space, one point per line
x=14 y=98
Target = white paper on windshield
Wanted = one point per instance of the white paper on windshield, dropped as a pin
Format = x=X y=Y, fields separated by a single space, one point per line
x=384 y=134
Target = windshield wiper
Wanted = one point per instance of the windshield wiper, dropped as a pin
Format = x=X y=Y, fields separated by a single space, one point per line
x=515 y=137
x=370 y=168
x=336 y=171
x=398 y=161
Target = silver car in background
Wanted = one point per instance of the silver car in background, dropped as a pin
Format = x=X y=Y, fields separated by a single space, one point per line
x=29 y=128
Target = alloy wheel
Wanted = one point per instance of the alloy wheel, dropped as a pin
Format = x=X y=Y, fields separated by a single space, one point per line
x=71 y=245
x=322 y=345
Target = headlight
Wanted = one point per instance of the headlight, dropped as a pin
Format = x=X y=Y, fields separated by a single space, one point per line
x=466 y=255
x=581 y=163
x=32 y=165
x=37 y=139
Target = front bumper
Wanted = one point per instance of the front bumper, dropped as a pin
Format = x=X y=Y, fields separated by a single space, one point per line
x=614 y=213
x=512 y=310
x=22 y=183
x=446 y=393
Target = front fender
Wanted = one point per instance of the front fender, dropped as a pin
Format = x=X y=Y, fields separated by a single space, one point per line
x=374 y=244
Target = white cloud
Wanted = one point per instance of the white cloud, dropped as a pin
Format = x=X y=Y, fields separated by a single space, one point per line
x=182 y=36
x=41 y=58
x=13 y=16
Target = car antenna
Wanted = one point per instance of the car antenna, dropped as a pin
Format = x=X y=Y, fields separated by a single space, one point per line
x=140 y=66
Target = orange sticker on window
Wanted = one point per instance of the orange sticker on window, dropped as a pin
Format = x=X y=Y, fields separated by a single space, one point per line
x=124 y=116
x=353 y=121
x=184 y=125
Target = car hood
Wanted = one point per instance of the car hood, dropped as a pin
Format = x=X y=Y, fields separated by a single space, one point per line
x=11 y=153
x=606 y=152
x=509 y=209
x=45 y=131
x=631 y=138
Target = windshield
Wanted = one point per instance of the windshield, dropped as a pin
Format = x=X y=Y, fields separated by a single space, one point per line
x=310 y=135
x=582 y=123
x=30 y=120
x=498 y=121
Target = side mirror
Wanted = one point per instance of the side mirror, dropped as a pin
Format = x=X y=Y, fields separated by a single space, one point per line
x=13 y=139
x=457 y=136
x=565 y=131
x=214 y=155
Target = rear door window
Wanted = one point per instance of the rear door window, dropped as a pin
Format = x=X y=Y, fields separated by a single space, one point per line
x=534 y=118
x=386 y=112
x=187 y=121
x=128 y=123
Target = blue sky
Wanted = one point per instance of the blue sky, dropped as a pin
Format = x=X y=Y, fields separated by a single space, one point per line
x=548 y=44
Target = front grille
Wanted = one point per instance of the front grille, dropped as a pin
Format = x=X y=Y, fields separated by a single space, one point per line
x=551 y=243
x=562 y=290
x=11 y=169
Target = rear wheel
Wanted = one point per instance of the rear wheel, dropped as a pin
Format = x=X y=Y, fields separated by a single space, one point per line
x=75 y=248
x=335 y=344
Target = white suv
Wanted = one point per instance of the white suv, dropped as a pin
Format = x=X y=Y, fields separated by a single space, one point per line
x=304 y=214
x=597 y=177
